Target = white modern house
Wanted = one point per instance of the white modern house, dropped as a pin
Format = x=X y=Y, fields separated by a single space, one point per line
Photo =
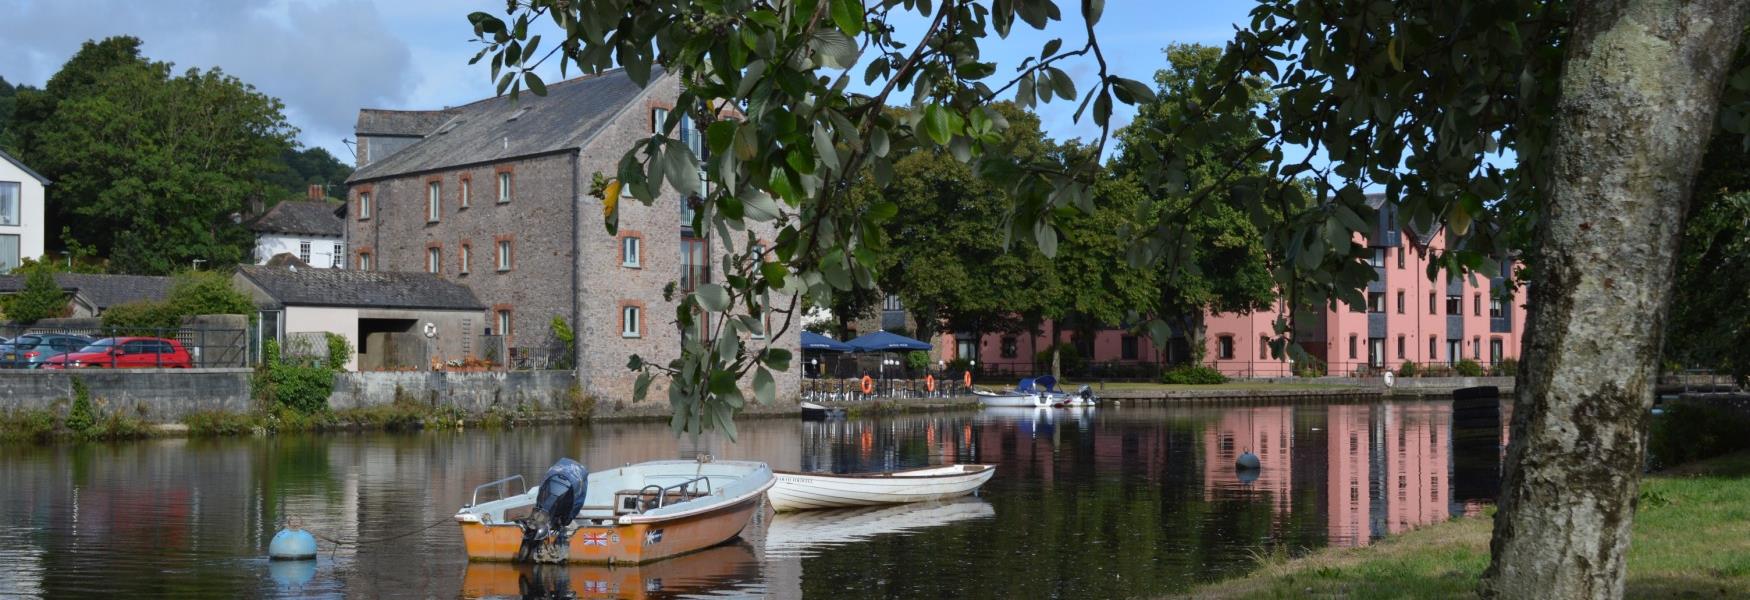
x=21 y=212
x=312 y=230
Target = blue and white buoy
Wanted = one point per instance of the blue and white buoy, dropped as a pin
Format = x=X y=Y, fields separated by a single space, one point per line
x=1248 y=462
x=292 y=543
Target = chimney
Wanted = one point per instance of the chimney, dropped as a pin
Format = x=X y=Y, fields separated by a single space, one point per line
x=316 y=192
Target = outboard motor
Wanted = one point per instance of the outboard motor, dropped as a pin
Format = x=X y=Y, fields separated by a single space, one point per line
x=556 y=506
x=1087 y=393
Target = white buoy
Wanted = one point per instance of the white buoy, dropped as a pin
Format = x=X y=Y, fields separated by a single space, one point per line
x=292 y=544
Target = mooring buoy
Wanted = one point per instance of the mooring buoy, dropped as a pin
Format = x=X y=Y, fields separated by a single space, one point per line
x=292 y=543
x=1248 y=462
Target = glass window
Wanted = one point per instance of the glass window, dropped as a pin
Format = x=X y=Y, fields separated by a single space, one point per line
x=1378 y=259
x=434 y=260
x=364 y=205
x=1433 y=348
x=504 y=322
x=1376 y=302
x=9 y=253
x=304 y=252
x=504 y=255
x=1011 y=347
x=1497 y=308
x=657 y=116
x=1376 y=352
x=467 y=192
x=11 y=195
x=504 y=187
x=629 y=251
x=1401 y=253
x=338 y=259
x=1401 y=346
x=1495 y=350
x=1224 y=347
x=695 y=271
x=1263 y=347
x=1354 y=347
x=629 y=325
x=1127 y=348
x=364 y=261
x=1400 y=302
x=1476 y=305
x=467 y=257
x=891 y=303
x=1431 y=303
x=434 y=201
x=1455 y=305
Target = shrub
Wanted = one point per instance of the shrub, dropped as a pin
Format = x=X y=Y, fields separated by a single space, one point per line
x=1068 y=358
x=41 y=297
x=917 y=361
x=140 y=316
x=1437 y=370
x=339 y=351
x=1508 y=367
x=959 y=365
x=1690 y=431
x=1312 y=368
x=80 y=418
x=1468 y=368
x=37 y=425
x=303 y=388
x=1193 y=375
x=191 y=293
x=1408 y=369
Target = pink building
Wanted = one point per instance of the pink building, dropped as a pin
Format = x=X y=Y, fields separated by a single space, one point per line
x=1408 y=317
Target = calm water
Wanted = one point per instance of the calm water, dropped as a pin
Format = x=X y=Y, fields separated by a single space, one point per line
x=1111 y=502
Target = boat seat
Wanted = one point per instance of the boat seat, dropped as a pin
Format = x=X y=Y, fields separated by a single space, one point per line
x=633 y=502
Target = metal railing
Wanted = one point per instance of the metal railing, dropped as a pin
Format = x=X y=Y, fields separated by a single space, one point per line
x=851 y=389
x=206 y=347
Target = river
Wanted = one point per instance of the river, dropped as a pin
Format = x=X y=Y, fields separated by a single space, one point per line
x=1113 y=502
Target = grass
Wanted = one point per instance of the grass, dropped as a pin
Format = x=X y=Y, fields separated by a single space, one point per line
x=1691 y=539
x=1240 y=386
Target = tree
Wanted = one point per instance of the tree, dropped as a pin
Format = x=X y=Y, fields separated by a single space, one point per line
x=152 y=169
x=307 y=167
x=1605 y=106
x=1710 y=322
x=41 y=297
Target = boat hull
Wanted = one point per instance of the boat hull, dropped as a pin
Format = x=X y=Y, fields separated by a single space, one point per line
x=1019 y=399
x=807 y=491
x=693 y=573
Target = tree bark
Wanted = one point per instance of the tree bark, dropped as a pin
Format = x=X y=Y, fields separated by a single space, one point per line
x=1640 y=87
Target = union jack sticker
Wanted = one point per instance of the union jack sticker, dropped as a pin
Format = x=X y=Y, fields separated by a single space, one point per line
x=594 y=539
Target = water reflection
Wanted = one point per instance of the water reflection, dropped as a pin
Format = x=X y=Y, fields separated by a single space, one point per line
x=1108 y=502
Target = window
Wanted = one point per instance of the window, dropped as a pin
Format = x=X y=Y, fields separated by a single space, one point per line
x=10 y=197
x=434 y=201
x=9 y=253
x=1376 y=302
x=1433 y=348
x=1497 y=308
x=1376 y=352
x=1476 y=305
x=1455 y=304
x=1496 y=349
x=1263 y=347
x=338 y=259
x=504 y=322
x=504 y=255
x=630 y=317
x=1454 y=350
x=467 y=256
x=304 y=252
x=1476 y=347
x=364 y=206
x=364 y=261
x=1354 y=346
x=1224 y=347
x=1401 y=346
x=891 y=303
x=1401 y=253
x=1400 y=302
x=695 y=271
x=1378 y=259
x=1127 y=348
x=629 y=251
x=1010 y=347
x=434 y=259
x=504 y=187
x=465 y=193
x=1431 y=303
x=657 y=116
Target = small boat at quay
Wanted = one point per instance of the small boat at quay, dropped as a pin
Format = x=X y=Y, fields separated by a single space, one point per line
x=628 y=515
x=805 y=491
x=816 y=412
x=1032 y=391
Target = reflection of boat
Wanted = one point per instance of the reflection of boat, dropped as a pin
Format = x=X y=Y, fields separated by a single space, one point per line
x=816 y=412
x=1032 y=391
x=700 y=571
x=632 y=514
x=794 y=533
x=803 y=491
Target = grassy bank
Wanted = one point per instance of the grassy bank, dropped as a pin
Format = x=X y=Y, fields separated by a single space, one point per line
x=1691 y=539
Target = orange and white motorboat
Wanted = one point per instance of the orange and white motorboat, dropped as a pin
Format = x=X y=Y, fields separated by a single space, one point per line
x=712 y=569
x=632 y=514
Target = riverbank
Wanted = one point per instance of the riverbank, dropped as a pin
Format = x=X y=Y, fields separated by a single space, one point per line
x=1691 y=539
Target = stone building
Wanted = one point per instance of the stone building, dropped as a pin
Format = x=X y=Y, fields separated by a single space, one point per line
x=494 y=195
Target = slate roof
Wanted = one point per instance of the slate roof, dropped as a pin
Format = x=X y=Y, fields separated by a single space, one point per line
x=415 y=123
x=100 y=290
x=20 y=164
x=301 y=217
x=361 y=289
x=571 y=113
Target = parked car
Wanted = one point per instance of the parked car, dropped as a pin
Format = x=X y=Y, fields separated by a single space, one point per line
x=125 y=353
x=31 y=350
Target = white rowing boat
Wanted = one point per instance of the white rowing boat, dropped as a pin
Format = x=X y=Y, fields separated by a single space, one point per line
x=804 y=491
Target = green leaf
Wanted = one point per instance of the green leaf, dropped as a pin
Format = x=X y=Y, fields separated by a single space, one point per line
x=535 y=84
x=747 y=142
x=823 y=146
x=778 y=359
x=635 y=363
x=1062 y=84
x=680 y=168
x=848 y=15
x=774 y=272
x=1046 y=236
x=765 y=389
x=936 y=123
x=719 y=136
x=1095 y=8
x=713 y=297
x=883 y=211
x=641 y=389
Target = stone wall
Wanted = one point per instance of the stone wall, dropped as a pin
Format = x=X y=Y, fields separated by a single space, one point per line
x=158 y=395
x=473 y=392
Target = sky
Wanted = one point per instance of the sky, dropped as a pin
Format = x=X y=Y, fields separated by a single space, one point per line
x=326 y=59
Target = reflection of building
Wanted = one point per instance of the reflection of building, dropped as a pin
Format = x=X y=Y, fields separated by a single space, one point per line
x=1416 y=464
x=1348 y=498
x=1267 y=431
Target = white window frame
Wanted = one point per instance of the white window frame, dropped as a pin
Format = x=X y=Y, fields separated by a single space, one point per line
x=467 y=257
x=466 y=190
x=338 y=260
x=364 y=261
x=364 y=206
x=434 y=260
x=504 y=255
x=629 y=321
x=504 y=322
x=434 y=201
x=504 y=184
x=631 y=254
x=12 y=215
x=304 y=251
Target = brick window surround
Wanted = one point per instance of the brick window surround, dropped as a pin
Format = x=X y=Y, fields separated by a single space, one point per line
x=464 y=255
x=439 y=247
x=365 y=205
x=363 y=258
x=498 y=174
x=621 y=250
x=621 y=318
x=438 y=215
x=504 y=313
x=506 y=265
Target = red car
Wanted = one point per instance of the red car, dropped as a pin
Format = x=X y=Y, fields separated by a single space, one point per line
x=125 y=353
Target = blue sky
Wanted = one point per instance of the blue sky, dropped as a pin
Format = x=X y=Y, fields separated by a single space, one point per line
x=327 y=58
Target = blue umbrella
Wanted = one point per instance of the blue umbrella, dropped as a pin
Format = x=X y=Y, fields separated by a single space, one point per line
x=815 y=341
x=882 y=341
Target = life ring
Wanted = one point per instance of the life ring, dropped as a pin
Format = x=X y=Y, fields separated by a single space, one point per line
x=967 y=379
x=930 y=382
x=868 y=385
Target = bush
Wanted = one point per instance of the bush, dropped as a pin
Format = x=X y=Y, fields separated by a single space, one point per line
x=303 y=388
x=41 y=297
x=1690 y=431
x=1408 y=369
x=191 y=293
x=1193 y=375
x=80 y=418
x=959 y=365
x=1068 y=358
x=339 y=352
x=1508 y=367
x=36 y=425
x=140 y=316
x=1468 y=368
x=917 y=361
x=1312 y=368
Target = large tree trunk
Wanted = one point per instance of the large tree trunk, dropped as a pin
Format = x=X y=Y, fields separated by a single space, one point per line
x=1639 y=91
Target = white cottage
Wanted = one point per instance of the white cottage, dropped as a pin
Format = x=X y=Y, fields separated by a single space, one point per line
x=312 y=230
x=21 y=212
